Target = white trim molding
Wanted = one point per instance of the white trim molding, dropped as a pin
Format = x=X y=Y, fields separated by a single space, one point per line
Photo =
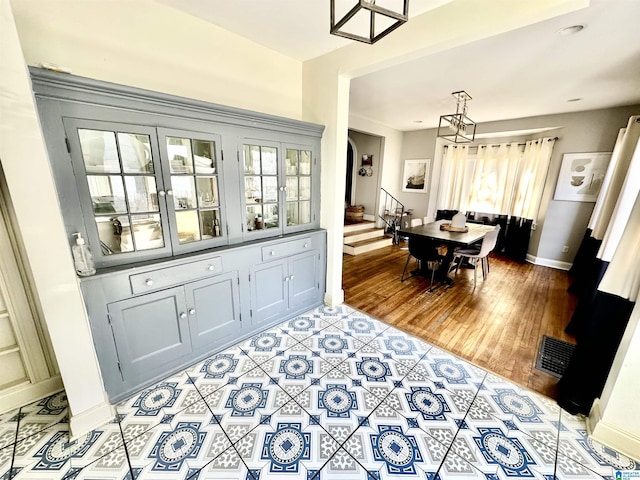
x=611 y=435
x=83 y=422
x=333 y=299
x=548 y=262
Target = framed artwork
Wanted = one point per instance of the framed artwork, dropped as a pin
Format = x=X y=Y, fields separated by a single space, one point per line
x=415 y=176
x=367 y=160
x=581 y=176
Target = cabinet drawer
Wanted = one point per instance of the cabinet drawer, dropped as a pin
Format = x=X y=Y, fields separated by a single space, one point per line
x=166 y=277
x=285 y=249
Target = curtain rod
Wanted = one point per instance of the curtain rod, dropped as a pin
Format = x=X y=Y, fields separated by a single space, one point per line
x=498 y=145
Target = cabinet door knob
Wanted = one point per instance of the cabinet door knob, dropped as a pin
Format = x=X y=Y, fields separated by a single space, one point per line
x=183 y=315
x=161 y=193
x=192 y=311
x=170 y=192
x=286 y=279
x=291 y=277
x=306 y=245
x=211 y=268
x=148 y=282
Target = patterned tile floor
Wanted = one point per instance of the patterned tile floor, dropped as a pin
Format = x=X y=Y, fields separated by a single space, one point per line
x=330 y=395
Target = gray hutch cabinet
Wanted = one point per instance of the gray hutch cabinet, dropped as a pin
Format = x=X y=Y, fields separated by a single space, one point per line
x=203 y=220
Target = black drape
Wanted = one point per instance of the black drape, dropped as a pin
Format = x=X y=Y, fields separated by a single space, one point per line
x=588 y=369
x=582 y=263
x=517 y=238
x=592 y=273
x=445 y=214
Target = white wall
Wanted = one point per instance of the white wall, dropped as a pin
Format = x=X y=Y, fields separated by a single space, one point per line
x=148 y=45
x=32 y=191
x=560 y=223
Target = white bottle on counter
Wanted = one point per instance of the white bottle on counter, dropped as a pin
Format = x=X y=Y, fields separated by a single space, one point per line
x=82 y=258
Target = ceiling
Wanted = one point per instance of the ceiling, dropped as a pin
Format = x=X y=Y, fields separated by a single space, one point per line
x=526 y=72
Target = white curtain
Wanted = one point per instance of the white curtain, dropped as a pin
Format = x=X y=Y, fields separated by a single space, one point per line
x=502 y=179
x=494 y=176
x=531 y=178
x=455 y=178
x=617 y=170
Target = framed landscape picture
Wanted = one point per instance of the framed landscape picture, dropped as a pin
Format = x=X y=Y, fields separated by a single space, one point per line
x=415 y=175
x=581 y=176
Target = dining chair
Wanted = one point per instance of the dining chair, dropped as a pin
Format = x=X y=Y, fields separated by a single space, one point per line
x=475 y=255
x=416 y=222
x=427 y=259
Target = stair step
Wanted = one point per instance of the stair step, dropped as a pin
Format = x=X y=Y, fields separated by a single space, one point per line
x=358 y=235
x=362 y=246
x=352 y=227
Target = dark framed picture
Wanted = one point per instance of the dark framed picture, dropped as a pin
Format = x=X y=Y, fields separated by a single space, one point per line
x=367 y=160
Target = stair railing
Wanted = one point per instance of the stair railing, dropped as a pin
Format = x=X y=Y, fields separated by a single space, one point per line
x=391 y=213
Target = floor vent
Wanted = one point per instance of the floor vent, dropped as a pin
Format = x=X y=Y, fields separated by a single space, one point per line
x=553 y=356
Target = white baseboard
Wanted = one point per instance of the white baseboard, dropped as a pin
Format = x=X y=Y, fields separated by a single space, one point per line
x=334 y=299
x=611 y=435
x=20 y=395
x=547 y=262
x=83 y=422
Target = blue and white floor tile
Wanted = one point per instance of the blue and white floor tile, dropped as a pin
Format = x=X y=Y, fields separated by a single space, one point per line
x=329 y=395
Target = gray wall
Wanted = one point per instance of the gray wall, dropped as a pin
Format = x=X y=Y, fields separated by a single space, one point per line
x=367 y=188
x=559 y=223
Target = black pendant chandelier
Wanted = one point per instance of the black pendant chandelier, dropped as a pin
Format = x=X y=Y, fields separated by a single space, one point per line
x=457 y=127
x=367 y=22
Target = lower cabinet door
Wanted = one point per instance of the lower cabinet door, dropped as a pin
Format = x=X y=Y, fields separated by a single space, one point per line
x=269 y=295
x=303 y=279
x=150 y=332
x=214 y=310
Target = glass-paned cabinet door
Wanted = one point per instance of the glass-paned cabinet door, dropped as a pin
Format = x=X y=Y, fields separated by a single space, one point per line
x=192 y=163
x=261 y=187
x=298 y=168
x=117 y=171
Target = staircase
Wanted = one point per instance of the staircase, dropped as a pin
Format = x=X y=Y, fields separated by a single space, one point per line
x=364 y=237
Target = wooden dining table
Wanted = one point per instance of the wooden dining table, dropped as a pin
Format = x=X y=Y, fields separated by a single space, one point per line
x=452 y=239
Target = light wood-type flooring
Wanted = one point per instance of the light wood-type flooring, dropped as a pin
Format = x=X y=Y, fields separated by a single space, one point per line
x=498 y=326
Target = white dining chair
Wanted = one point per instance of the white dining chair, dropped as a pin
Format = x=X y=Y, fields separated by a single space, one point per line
x=475 y=255
x=416 y=222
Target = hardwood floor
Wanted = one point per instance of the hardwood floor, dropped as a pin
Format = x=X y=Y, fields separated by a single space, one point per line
x=497 y=326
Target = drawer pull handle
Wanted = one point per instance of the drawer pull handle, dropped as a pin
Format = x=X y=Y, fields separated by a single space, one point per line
x=183 y=315
x=148 y=282
x=272 y=253
x=211 y=268
x=192 y=311
x=306 y=245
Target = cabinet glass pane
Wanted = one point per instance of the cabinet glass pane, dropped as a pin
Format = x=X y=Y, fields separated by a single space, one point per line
x=180 y=157
x=188 y=226
x=292 y=188
x=207 y=188
x=210 y=223
x=269 y=161
x=254 y=217
x=99 y=151
x=147 y=232
x=204 y=156
x=292 y=213
x=261 y=186
x=270 y=189
x=271 y=216
x=252 y=189
x=184 y=192
x=135 y=151
x=107 y=194
x=292 y=162
x=305 y=188
x=305 y=162
x=111 y=231
x=251 y=159
x=141 y=193
x=305 y=213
